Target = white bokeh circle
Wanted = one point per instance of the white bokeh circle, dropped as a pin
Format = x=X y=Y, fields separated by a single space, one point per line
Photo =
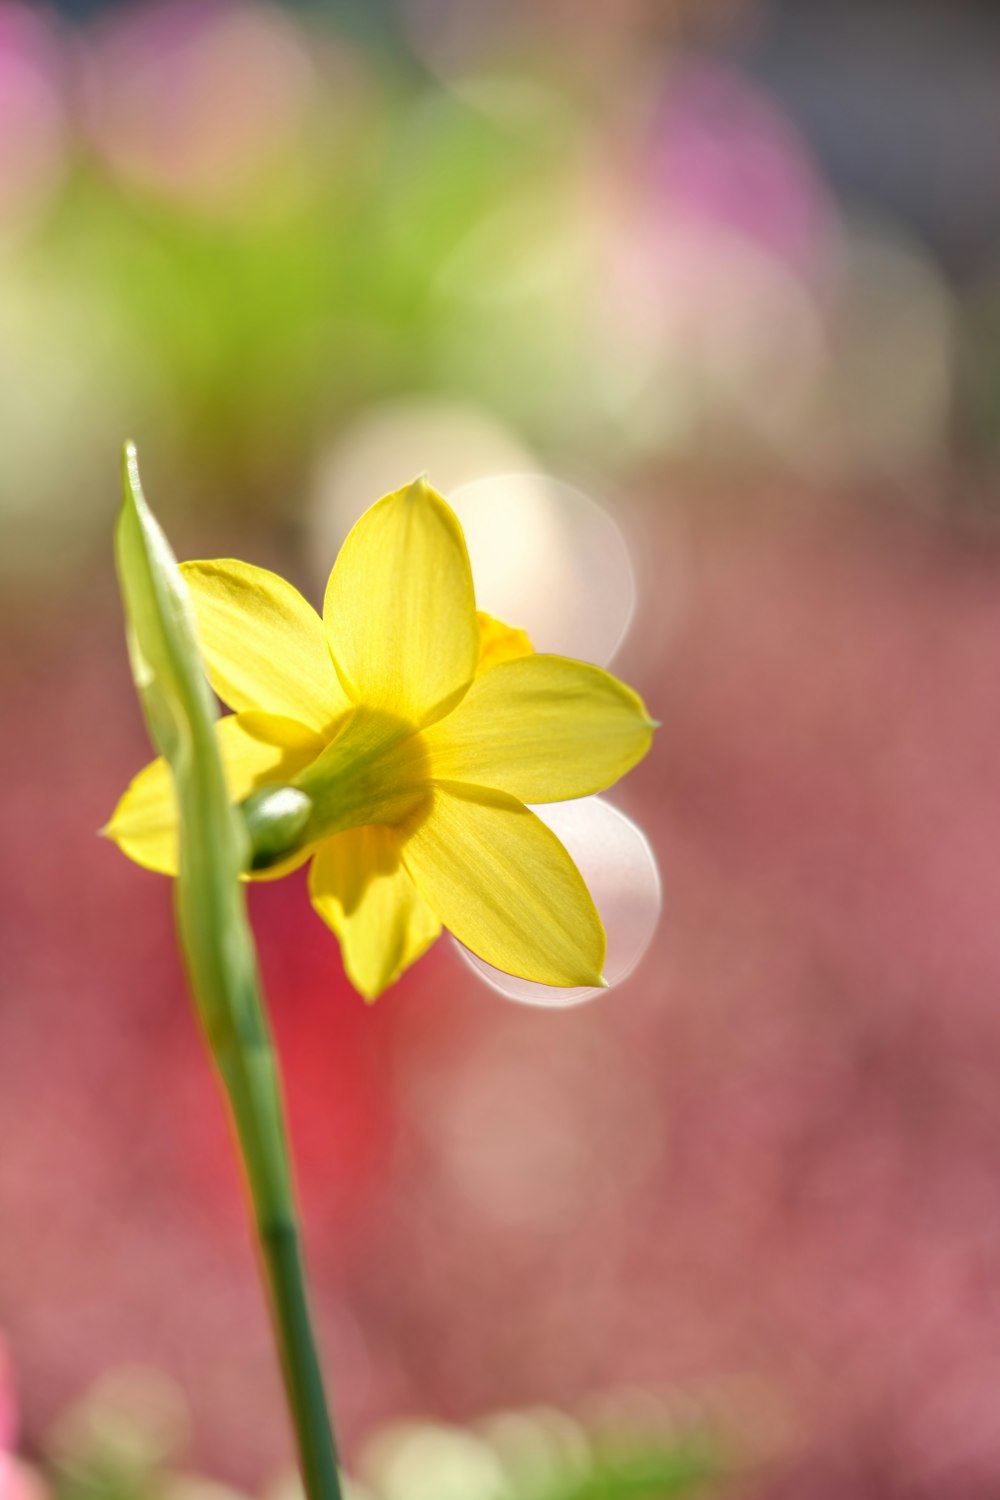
x=550 y=560
x=451 y=441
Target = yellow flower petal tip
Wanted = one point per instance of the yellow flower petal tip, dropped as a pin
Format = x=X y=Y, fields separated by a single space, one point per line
x=418 y=730
x=400 y=610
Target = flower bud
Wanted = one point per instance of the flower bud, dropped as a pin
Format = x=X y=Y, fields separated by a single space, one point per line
x=275 y=817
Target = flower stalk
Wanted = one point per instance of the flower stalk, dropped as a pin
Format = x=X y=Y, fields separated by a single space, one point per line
x=219 y=952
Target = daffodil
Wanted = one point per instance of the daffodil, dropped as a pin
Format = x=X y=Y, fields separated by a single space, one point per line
x=396 y=742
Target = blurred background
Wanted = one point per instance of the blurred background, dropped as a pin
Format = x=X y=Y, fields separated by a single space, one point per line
x=728 y=270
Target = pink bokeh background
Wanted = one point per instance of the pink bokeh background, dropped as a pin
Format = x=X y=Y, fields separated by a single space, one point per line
x=766 y=1164
x=731 y=272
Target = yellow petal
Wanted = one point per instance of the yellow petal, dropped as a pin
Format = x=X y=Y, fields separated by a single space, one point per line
x=255 y=749
x=264 y=645
x=499 y=642
x=504 y=885
x=543 y=728
x=360 y=889
x=400 y=610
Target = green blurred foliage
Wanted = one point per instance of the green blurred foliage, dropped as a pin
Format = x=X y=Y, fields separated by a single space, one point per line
x=126 y=1439
x=230 y=343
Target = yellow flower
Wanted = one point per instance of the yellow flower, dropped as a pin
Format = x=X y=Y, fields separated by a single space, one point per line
x=413 y=732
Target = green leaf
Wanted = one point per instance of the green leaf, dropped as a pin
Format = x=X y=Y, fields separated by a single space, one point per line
x=175 y=695
x=214 y=848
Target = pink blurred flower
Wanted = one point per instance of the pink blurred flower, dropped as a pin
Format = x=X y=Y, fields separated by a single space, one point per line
x=17 y=1482
x=32 y=115
x=724 y=156
x=198 y=101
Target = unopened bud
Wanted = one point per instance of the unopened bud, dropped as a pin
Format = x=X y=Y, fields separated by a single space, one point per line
x=275 y=817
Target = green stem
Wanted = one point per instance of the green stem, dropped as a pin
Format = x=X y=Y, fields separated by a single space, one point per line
x=299 y=1362
x=250 y=1078
x=218 y=946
